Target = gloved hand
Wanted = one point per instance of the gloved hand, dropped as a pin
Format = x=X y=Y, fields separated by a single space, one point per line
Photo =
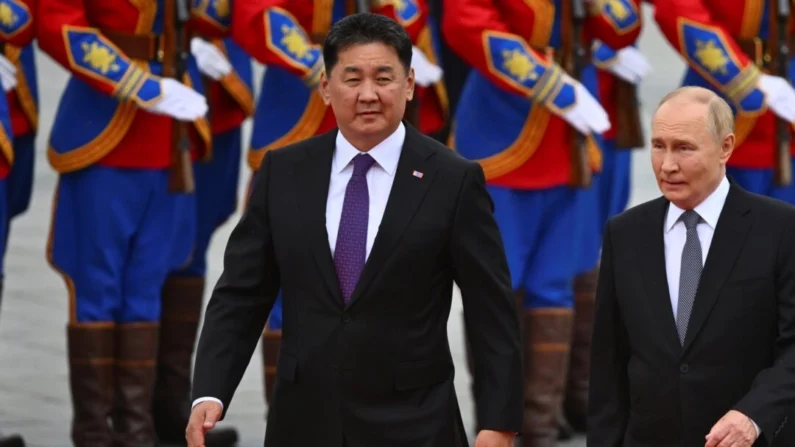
x=425 y=72
x=779 y=96
x=178 y=101
x=585 y=113
x=630 y=65
x=211 y=61
x=8 y=74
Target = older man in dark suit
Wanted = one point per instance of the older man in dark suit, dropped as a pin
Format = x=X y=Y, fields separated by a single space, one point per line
x=694 y=332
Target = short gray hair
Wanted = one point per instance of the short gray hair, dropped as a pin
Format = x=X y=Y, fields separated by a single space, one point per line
x=720 y=118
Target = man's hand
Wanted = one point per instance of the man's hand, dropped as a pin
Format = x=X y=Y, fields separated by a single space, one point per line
x=732 y=430
x=202 y=419
x=490 y=438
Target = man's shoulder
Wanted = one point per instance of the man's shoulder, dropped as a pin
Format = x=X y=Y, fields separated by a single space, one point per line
x=636 y=214
x=299 y=149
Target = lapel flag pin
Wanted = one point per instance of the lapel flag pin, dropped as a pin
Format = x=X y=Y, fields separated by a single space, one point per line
x=417 y=174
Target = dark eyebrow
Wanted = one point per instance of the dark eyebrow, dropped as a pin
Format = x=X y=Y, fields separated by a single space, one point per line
x=380 y=69
x=675 y=141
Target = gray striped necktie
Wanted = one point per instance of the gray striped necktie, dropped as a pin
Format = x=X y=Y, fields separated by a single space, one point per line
x=689 y=273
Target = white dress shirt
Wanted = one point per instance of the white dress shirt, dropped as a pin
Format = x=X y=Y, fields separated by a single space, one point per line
x=379 y=184
x=676 y=234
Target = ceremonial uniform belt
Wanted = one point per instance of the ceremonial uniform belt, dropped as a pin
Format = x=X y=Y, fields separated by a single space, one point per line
x=758 y=49
x=144 y=47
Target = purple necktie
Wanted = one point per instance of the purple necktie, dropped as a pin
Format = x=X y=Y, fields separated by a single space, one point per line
x=351 y=249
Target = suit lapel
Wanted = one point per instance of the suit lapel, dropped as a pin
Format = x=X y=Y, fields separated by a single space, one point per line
x=405 y=197
x=727 y=242
x=651 y=252
x=312 y=182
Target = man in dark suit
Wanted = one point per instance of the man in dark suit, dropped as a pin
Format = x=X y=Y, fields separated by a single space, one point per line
x=694 y=330
x=365 y=229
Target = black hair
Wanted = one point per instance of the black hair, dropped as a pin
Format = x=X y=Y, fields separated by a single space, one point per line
x=364 y=28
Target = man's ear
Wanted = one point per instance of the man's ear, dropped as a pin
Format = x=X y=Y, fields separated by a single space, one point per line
x=410 y=85
x=324 y=88
x=727 y=147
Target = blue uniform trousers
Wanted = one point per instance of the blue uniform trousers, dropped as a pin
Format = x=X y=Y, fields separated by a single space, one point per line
x=112 y=240
x=539 y=231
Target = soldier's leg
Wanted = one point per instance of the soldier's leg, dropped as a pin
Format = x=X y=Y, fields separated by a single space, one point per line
x=95 y=217
x=152 y=255
x=548 y=314
x=183 y=292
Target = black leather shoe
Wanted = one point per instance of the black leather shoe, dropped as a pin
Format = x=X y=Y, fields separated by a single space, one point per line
x=11 y=441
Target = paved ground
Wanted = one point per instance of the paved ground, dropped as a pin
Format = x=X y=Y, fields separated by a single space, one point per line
x=34 y=397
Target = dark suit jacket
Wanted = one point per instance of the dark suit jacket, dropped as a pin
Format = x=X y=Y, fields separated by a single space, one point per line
x=378 y=370
x=739 y=352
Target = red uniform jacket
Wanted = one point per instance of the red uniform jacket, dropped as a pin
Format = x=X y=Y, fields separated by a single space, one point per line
x=506 y=41
x=99 y=119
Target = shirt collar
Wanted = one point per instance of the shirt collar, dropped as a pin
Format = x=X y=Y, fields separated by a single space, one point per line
x=386 y=153
x=709 y=209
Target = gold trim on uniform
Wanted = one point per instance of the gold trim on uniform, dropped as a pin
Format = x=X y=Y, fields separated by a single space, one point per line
x=235 y=86
x=523 y=147
x=543 y=22
x=103 y=144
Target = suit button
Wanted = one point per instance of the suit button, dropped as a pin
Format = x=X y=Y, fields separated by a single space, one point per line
x=346 y=318
x=683 y=368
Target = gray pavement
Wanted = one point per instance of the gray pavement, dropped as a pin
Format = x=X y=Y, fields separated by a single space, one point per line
x=34 y=393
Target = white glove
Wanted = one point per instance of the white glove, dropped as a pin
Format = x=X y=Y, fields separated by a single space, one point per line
x=179 y=101
x=425 y=72
x=211 y=61
x=8 y=74
x=586 y=114
x=779 y=95
x=630 y=65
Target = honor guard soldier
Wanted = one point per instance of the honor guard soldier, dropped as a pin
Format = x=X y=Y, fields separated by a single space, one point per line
x=122 y=138
x=733 y=47
x=17 y=125
x=227 y=78
x=17 y=30
x=292 y=108
x=18 y=75
x=529 y=114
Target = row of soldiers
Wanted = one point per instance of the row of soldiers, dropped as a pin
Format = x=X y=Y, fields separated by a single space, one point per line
x=147 y=143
